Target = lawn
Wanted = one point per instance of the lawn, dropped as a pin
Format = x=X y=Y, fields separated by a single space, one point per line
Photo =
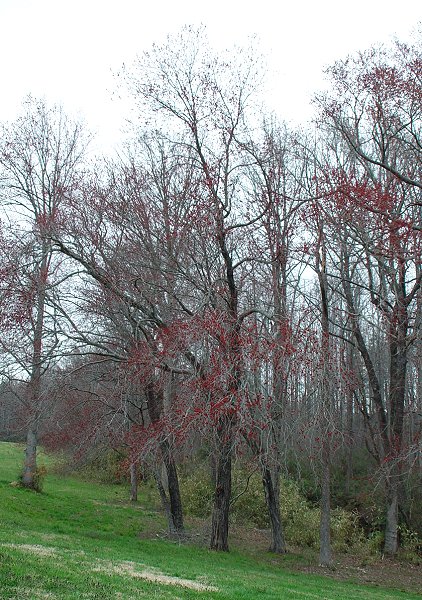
x=79 y=540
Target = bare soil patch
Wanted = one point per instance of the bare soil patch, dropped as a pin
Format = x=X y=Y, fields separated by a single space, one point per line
x=33 y=549
x=138 y=571
x=385 y=572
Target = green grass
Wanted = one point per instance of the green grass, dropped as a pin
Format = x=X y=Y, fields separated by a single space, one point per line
x=79 y=540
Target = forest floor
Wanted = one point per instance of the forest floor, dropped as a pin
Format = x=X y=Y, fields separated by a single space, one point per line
x=380 y=571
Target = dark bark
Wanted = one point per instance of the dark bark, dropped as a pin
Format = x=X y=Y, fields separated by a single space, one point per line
x=324 y=532
x=391 y=522
x=326 y=406
x=174 y=510
x=272 y=498
x=398 y=366
x=369 y=365
x=222 y=495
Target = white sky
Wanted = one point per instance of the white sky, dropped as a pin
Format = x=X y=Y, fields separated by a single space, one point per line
x=67 y=50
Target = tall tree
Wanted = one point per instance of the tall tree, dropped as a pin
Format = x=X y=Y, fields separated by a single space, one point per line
x=40 y=158
x=207 y=100
x=374 y=107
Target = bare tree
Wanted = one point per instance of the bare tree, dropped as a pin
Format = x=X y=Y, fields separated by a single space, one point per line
x=40 y=157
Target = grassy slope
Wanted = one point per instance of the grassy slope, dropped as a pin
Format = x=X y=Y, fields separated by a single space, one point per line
x=80 y=541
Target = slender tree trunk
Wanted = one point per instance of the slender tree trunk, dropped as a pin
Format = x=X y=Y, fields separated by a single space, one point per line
x=34 y=384
x=30 y=463
x=133 y=482
x=221 y=509
x=164 y=501
x=272 y=498
x=173 y=488
x=326 y=406
x=398 y=366
x=324 y=531
x=174 y=509
x=349 y=442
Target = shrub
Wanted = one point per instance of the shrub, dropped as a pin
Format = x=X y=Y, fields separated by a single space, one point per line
x=249 y=504
x=411 y=545
x=301 y=519
x=345 y=530
x=197 y=493
x=104 y=466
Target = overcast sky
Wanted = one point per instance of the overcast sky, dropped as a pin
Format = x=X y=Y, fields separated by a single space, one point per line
x=67 y=50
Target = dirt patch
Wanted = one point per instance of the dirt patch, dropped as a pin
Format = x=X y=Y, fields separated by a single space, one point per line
x=33 y=549
x=396 y=574
x=130 y=569
x=381 y=572
x=32 y=594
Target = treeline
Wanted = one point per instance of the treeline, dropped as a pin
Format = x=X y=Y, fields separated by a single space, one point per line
x=225 y=284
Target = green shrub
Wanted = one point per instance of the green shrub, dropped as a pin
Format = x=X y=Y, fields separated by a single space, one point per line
x=197 y=493
x=410 y=545
x=346 y=532
x=104 y=465
x=301 y=519
x=375 y=542
x=249 y=504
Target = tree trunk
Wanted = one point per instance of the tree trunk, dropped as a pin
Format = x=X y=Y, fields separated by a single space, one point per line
x=30 y=464
x=349 y=422
x=278 y=544
x=173 y=488
x=326 y=406
x=398 y=366
x=324 y=531
x=221 y=509
x=391 y=525
x=133 y=482
x=164 y=501
x=174 y=509
x=34 y=384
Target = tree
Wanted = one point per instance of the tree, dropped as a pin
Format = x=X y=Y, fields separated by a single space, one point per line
x=207 y=101
x=374 y=108
x=40 y=158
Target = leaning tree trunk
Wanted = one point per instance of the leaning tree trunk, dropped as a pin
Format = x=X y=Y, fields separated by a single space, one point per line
x=221 y=509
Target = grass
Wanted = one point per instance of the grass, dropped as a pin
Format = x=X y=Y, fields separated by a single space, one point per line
x=79 y=540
